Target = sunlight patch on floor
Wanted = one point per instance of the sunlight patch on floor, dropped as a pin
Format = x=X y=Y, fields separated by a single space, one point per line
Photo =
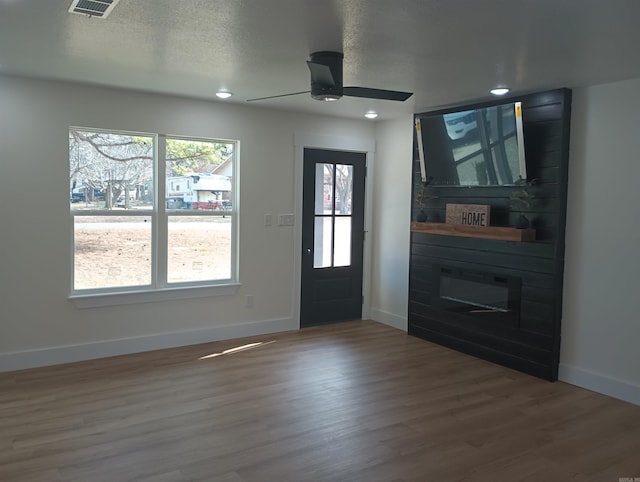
x=237 y=349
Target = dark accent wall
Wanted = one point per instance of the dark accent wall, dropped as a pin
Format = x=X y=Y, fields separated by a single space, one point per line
x=533 y=345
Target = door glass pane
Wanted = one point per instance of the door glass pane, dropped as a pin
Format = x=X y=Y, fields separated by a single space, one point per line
x=199 y=248
x=111 y=251
x=322 y=242
x=344 y=188
x=342 y=249
x=324 y=189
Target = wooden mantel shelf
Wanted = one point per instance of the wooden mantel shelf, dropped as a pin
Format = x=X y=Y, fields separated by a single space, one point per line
x=488 y=232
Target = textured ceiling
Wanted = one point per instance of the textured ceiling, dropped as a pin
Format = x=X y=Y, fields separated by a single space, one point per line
x=445 y=51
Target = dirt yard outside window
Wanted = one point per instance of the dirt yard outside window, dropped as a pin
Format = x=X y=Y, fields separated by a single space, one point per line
x=116 y=251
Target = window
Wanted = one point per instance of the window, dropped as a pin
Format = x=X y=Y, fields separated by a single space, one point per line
x=133 y=233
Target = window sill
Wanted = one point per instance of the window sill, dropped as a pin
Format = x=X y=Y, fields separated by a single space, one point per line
x=166 y=294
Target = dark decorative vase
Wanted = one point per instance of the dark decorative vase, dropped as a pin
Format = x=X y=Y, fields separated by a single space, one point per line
x=522 y=222
x=421 y=217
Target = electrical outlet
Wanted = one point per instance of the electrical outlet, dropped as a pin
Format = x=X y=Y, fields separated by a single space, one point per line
x=268 y=219
x=248 y=301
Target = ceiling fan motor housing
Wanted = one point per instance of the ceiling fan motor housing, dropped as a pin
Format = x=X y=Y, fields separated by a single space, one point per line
x=321 y=89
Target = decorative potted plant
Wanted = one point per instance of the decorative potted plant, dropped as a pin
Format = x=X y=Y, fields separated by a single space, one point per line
x=422 y=196
x=520 y=200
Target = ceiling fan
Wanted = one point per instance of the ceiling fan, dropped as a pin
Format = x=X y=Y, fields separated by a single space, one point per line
x=326 y=82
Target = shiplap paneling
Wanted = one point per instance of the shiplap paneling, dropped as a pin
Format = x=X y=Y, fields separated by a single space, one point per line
x=533 y=345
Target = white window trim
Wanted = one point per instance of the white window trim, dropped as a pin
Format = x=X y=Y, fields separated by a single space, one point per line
x=152 y=295
x=162 y=291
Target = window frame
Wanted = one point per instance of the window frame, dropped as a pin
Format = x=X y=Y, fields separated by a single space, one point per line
x=159 y=288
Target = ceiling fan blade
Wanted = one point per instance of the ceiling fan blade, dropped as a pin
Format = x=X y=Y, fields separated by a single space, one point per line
x=321 y=74
x=376 y=93
x=281 y=95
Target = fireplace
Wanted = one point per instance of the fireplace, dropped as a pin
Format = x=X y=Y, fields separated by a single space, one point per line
x=479 y=295
x=498 y=299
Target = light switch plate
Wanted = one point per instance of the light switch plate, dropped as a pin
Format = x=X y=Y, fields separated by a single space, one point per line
x=286 y=219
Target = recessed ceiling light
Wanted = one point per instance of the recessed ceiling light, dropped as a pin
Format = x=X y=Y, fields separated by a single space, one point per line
x=500 y=90
x=372 y=114
x=223 y=94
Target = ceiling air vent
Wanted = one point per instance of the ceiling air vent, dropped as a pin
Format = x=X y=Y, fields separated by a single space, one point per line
x=93 y=8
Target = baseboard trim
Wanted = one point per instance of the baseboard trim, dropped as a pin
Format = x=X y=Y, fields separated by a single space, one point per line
x=88 y=351
x=390 y=319
x=597 y=382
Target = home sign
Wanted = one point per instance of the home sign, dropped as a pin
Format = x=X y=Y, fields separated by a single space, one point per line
x=468 y=214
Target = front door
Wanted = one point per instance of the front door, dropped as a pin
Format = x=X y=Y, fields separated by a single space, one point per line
x=332 y=236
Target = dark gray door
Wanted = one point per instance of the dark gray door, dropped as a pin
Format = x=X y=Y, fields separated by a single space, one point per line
x=332 y=236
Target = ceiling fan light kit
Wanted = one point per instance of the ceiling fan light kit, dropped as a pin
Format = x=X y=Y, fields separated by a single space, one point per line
x=500 y=90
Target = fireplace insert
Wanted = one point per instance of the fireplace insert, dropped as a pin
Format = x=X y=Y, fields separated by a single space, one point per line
x=477 y=294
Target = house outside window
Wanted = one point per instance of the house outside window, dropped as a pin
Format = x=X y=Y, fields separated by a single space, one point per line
x=134 y=228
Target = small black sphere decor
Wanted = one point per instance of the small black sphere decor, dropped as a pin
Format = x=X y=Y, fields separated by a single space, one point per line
x=522 y=222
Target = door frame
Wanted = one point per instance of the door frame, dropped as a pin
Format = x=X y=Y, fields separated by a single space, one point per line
x=332 y=143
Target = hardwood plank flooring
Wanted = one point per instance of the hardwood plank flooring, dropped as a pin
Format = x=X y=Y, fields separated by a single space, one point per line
x=355 y=401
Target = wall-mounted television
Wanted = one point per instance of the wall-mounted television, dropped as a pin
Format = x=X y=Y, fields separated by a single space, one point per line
x=472 y=147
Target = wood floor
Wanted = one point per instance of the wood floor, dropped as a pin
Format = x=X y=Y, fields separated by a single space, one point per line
x=356 y=401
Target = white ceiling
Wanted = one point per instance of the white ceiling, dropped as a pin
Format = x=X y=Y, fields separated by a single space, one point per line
x=445 y=51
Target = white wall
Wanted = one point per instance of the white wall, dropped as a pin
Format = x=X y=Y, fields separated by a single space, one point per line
x=601 y=321
x=392 y=220
x=38 y=323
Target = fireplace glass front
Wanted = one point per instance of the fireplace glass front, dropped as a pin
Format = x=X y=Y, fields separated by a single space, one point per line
x=477 y=294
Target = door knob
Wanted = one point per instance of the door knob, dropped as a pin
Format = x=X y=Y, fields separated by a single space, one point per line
x=308 y=251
